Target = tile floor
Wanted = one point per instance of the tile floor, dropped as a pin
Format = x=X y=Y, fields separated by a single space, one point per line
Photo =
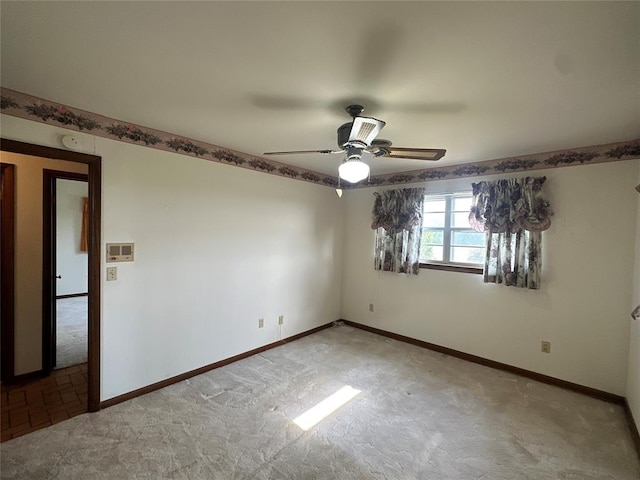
x=36 y=404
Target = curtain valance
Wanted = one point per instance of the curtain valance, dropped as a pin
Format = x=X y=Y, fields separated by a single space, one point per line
x=509 y=205
x=396 y=210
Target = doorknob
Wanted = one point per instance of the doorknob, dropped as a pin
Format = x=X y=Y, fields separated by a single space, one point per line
x=58 y=277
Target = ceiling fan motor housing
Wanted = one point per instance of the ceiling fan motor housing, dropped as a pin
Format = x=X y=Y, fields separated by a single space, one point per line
x=343 y=134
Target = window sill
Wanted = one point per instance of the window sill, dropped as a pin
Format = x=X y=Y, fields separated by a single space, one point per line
x=452 y=268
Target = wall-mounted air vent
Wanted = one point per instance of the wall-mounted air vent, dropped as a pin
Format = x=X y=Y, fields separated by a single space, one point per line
x=119 y=252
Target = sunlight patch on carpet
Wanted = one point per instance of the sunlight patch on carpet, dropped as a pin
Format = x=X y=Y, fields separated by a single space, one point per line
x=325 y=408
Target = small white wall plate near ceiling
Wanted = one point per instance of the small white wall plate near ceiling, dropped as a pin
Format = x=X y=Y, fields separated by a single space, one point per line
x=72 y=142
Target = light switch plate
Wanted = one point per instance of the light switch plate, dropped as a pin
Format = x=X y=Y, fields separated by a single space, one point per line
x=112 y=274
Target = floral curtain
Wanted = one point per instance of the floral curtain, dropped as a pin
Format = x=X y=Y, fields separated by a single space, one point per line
x=513 y=213
x=397 y=220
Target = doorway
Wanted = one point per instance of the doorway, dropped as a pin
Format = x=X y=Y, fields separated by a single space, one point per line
x=65 y=270
x=93 y=254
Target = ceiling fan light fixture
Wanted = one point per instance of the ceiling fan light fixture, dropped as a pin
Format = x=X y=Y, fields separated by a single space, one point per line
x=360 y=136
x=353 y=170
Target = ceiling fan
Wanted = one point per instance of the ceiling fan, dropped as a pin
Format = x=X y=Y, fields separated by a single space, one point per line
x=359 y=136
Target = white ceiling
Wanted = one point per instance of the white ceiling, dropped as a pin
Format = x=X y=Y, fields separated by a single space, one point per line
x=484 y=80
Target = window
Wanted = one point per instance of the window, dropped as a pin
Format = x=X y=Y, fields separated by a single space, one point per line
x=447 y=238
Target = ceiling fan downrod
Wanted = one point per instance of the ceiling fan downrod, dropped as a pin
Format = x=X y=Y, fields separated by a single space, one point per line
x=354 y=110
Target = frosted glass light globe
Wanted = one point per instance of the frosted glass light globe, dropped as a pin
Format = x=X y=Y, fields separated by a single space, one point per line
x=353 y=171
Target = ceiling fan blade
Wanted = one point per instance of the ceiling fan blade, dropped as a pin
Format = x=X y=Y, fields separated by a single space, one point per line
x=281 y=102
x=284 y=103
x=411 y=153
x=380 y=45
x=426 y=107
x=365 y=129
x=296 y=152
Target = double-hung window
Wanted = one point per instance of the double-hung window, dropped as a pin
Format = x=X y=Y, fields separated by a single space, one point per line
x=447 y=238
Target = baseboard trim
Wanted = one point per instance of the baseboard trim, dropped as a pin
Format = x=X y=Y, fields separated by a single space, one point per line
x=591 y=392
x=72 y=295
x=184 y=376
x=633 y=426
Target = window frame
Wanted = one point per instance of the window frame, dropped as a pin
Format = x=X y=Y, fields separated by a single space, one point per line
x=447 y=234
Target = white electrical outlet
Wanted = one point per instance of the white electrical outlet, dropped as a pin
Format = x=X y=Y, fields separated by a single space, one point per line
x=112 y=274
x=545 y=347
x=260 y=322
x=371 y=307
x=280 y=319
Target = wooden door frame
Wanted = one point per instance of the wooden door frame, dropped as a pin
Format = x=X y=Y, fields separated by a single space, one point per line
x=7 y=270
x=94 y=251
x=49 y=262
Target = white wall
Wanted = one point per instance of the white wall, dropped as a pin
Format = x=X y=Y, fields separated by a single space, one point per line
x=28 y=256
x=217 y=247
x=633 y=377
x=582 y=307
x=71 y=262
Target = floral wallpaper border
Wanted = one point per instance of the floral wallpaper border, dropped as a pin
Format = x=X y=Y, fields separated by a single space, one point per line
x=32 y=108
x=612 y=152
x=22 y=105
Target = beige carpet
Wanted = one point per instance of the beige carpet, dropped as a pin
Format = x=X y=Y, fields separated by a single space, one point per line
x=420 y=415
x=72 y=326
